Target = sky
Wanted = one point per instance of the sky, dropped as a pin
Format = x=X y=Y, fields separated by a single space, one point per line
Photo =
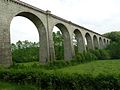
x=101 y=16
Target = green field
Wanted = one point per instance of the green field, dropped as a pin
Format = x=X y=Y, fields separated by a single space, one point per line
x=94 y=68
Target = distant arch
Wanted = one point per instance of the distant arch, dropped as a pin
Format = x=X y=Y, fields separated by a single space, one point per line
x=78 y=42
x=107 y=41
x=88 y=41
x=95 y=42
x=100 y=42
x=104 y=40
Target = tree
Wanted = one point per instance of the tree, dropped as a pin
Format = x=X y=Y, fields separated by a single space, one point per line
x=58 y=45
x=25 y=51
x=114 y=36
x=114 y=50
x=114 y=47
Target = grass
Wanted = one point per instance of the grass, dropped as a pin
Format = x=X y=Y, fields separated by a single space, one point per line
x=94 y=68
x=12 y=86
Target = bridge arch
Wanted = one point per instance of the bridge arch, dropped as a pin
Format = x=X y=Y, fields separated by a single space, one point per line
x=104 y=41
x=43 y=54
x=100 y=42
x=88 y=41
x=95 y=42
x=78 y=41
x=66 y=40
x=107 y=42
x=44 y=21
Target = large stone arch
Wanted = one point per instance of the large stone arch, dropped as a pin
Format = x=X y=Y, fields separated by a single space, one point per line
x=89 y=41
x=43 y=51
x=66 y=41
x=80 y=40
x=95 y=42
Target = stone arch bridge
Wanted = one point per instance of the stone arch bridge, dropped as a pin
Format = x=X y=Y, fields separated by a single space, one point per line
x=45 y=21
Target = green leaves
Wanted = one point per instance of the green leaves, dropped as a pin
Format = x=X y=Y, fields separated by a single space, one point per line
x=58 y=45
x=25 y=51
x=62 y=81
x=114 y=36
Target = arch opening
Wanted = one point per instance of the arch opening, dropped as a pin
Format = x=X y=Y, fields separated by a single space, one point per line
x=31 y=47
x=88 y=41
x=95 y=42
x=101 y=42
x=78 y=41
x=65 y=43
x=104 y=42
x=107 y=41
x=58 y=43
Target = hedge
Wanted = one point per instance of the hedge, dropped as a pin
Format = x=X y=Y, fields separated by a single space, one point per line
x=54 y=80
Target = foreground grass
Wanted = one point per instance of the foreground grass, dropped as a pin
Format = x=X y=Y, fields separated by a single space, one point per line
x=12 y=86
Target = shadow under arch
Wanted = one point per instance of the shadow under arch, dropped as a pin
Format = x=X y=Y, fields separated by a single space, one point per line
x=101 y=43
x=89 y=41
x=104 y=42
x=95 y=42
x=79 y=41
x=43 y=55
x=66 y=40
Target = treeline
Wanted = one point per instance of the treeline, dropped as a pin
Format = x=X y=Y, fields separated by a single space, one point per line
x=114 y=47
x=25 y=51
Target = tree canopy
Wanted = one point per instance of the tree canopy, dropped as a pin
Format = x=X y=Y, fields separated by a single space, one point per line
x=114 y=47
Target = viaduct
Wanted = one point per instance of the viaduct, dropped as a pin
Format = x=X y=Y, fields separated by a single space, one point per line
x=45 y=21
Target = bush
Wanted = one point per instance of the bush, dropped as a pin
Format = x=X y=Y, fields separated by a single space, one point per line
x=114 y=50
x=85 y=57
x=61 y=81
x=101 y=54
x=57 y=64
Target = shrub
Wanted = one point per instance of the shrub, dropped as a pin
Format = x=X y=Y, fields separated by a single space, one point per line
x=85 y=57
x=57 y=64
x=114 y=50
x=101 y=54
x=61 y=81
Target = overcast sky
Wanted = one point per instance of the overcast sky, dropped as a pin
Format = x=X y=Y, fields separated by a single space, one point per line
x=100 y=16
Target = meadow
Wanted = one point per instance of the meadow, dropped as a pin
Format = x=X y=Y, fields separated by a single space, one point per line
x=95 y=68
